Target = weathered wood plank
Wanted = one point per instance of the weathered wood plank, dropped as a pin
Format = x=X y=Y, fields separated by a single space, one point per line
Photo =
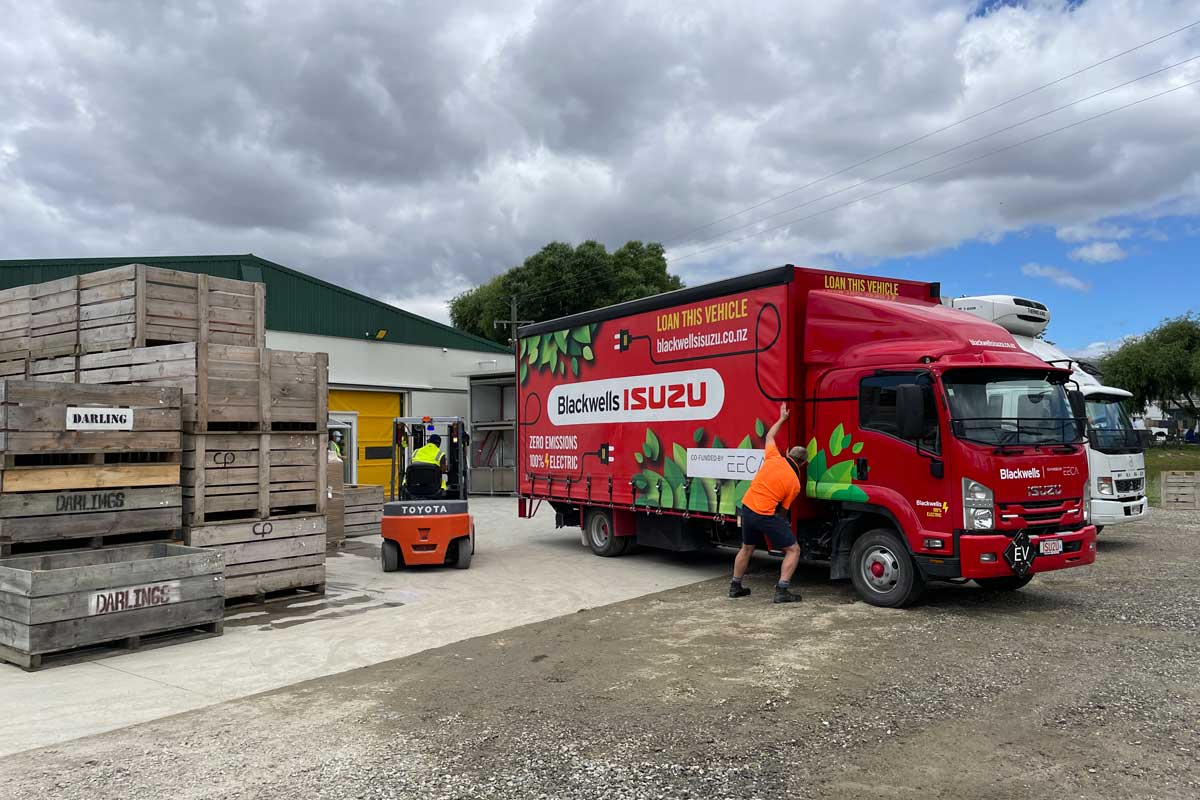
x=266 y=582
x=87 y=476
x=80 y=570
x=24 y=530
x=75 y=605
x=225 y=533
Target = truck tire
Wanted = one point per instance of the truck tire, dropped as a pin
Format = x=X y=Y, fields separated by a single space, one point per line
x=390 y=555
x=1008 y=583
x=597 y=525
x=882 y=571
x=462 y=559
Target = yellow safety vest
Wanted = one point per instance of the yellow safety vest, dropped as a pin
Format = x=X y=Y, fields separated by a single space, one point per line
x=430 y=454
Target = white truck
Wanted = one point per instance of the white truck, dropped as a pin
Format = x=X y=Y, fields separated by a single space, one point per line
x=1117 y=467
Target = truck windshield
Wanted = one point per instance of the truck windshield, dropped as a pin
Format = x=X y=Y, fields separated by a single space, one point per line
x=1010 y=407
x=1109 y=428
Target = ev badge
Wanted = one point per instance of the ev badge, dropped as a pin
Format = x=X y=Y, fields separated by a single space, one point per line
x=1019 y=554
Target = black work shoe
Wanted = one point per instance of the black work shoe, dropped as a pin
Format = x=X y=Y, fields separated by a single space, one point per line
x=737 y=590
x=785 y=596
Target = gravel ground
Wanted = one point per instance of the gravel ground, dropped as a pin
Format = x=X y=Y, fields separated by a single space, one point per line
x=1084 y=684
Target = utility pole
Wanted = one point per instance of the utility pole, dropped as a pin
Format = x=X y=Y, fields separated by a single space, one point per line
x=514 y=322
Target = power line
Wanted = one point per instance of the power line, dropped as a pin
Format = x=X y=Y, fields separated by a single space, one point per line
x=940 y=171
x=948 y=150
x=925 y=136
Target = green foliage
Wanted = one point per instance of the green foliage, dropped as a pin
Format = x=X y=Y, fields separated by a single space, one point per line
x=833 y=481
x=651 y=448
x=1160 y=367
x=553 y=351
x=559 y=280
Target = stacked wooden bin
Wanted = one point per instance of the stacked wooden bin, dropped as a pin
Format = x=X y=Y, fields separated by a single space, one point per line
x=255 y=420
x=95 y=467
x=252 y=459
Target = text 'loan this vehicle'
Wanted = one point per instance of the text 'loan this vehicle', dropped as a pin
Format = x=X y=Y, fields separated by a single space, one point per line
x=937 y=448
x=1116 y=464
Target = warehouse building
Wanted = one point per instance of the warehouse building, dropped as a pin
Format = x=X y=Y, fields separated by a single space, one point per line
x=384 y=362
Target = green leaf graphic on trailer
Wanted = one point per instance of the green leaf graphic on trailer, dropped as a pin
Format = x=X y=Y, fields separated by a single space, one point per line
x=558 y=352
x=651 y=448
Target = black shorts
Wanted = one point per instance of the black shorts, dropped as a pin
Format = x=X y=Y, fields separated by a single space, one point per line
x=773 y=531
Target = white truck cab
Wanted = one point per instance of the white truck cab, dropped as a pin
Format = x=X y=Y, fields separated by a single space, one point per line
x=1117 y=467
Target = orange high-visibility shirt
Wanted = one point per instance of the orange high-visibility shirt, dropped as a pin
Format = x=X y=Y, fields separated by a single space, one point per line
x=775 y=484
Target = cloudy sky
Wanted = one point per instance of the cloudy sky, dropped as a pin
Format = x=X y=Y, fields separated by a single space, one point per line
x=412 y=149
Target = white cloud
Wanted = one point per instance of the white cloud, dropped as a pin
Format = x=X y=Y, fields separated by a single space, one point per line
x=295 y=132
x=1085 y=233
x=1094 y=350
x=1098 y=253
x=1055 y=275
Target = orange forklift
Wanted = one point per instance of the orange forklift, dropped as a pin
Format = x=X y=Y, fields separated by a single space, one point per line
x=426 y=520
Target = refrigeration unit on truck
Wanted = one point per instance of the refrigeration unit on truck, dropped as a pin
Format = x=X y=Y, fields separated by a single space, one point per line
x=1116 y=464
x=937 y=448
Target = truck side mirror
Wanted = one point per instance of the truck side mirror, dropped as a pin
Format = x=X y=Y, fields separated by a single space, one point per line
x=1078 y=404
x=1078 y=411
x=910 y=411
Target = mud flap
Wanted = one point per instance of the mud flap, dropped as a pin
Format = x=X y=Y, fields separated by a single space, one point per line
x=839 y=562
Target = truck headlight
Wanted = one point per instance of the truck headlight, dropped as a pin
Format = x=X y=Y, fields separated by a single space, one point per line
x=1105 y=486
x=982 y=519
x=978 y=506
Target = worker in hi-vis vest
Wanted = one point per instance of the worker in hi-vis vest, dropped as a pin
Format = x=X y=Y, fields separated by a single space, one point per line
x=431 y=453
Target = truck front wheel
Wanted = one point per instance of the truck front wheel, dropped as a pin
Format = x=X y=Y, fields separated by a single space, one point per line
x=597 y=524
x=882 y=571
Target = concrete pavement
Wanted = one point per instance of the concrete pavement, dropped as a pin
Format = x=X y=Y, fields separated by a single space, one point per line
x=524 y=571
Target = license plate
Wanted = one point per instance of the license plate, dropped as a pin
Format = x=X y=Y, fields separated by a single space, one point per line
x=1050 y=547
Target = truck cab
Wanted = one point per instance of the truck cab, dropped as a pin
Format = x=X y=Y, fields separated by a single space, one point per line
x=938 y=437
x=1116 y=463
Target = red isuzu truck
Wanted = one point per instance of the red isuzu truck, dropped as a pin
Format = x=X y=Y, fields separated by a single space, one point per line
x=937 y=448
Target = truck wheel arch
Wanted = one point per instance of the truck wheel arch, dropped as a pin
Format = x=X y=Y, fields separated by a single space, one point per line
x=863 y=517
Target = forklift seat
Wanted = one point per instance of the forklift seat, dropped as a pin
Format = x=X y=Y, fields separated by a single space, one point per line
x=422 y=480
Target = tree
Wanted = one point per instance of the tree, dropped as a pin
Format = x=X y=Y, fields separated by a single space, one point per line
x=559 y=280
x=1160 y=367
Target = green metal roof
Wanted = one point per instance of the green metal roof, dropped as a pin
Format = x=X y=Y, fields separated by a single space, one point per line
x=295 y=302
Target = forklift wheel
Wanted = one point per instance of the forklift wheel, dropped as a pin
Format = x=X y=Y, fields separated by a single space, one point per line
x=390 y=555
x=465 y=550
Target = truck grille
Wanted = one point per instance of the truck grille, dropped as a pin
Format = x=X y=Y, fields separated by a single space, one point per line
x=1041 y=516
x=1130 y=485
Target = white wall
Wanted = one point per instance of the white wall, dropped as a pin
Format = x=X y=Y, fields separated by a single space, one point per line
x=371 y=364
x=437 y=404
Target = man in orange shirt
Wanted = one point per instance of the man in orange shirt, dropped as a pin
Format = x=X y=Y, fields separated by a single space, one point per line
x=764 y=514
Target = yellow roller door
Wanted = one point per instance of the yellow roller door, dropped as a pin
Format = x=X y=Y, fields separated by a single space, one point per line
x=376 y=410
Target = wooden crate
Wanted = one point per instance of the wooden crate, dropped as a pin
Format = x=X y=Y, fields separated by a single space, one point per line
x=1180 y=489
x=335 y=516
x=266 y=556
x=229 y=476
x=137 y=306
x=226 y=387
x=42 y=448
x=60 y=602
x=363 y=509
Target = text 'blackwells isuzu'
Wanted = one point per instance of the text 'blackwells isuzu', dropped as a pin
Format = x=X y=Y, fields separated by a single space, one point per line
x=1116 y=460
x=937 y=448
